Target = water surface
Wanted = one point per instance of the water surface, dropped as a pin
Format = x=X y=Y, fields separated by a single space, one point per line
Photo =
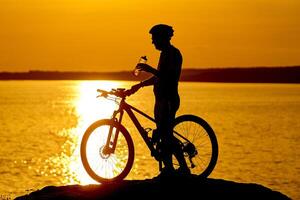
x=42 y=122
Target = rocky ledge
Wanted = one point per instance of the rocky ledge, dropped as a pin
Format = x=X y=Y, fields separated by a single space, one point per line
x=177 y=188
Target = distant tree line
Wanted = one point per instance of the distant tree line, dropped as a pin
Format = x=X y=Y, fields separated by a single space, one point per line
x=234 y=75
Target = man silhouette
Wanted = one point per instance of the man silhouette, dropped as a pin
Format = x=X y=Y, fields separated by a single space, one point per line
x=165 y=81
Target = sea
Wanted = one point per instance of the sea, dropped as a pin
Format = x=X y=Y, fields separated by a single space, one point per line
x=42 y=123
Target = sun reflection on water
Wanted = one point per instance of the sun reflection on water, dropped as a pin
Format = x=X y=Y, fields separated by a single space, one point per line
x=89 y=109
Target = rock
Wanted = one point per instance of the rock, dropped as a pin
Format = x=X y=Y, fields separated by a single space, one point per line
x=191 y=187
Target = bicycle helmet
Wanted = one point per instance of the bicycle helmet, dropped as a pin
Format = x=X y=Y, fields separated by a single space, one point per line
x=162 y=30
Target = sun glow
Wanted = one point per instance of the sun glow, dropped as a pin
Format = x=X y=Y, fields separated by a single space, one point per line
x=91 y=109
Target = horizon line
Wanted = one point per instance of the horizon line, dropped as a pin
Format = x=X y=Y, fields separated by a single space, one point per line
x=184 y=68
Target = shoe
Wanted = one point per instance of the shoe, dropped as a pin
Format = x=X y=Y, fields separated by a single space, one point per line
x=166 y=174
x=183 y=171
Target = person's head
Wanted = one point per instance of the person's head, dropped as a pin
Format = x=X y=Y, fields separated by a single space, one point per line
x=161 y=35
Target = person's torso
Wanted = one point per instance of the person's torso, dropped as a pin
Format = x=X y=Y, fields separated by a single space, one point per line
x=169 y=69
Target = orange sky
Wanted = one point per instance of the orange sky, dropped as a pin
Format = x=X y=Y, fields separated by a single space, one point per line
x=110 y=35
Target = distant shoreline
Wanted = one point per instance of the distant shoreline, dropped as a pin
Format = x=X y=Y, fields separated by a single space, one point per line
x=232 y=75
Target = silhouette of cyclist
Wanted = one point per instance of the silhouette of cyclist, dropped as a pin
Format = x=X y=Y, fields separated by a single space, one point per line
x=165 y=81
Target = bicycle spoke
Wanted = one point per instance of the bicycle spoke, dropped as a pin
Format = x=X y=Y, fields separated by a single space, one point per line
x=192 y=129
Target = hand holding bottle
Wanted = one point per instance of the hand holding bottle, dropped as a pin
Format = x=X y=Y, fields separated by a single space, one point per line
x=141 y=62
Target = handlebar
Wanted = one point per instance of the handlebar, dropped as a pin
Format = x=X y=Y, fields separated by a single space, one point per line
x=118 y=92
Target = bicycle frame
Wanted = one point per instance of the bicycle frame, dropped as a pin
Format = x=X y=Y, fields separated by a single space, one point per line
x=123 y=106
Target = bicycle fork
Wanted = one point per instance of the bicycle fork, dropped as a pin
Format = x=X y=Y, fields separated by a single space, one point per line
x=112 y=136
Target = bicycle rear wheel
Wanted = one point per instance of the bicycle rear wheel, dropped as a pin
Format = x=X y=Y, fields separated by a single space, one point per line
x=199 y=144
x=106 y=167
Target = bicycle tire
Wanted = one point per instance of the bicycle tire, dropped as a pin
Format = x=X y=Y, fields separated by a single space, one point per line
x=113 y=167
x=197 y=131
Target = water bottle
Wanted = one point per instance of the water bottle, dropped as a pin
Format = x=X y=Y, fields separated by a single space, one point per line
x=143 y=59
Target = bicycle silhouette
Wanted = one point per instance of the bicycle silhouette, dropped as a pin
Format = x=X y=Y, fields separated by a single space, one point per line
x=107 y=149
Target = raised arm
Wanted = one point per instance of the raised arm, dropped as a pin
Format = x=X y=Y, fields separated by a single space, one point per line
x=148 y=82
x=148 y=68
x=136 y=87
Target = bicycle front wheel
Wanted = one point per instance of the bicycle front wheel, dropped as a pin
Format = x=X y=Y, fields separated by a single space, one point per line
x=106 y=167
x=199 y=144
